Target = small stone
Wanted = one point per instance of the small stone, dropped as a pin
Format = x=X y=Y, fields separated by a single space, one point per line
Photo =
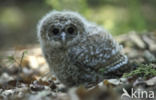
x=36 y=86
x=114 y=81
x=151 y=43
x=137 y=40
x=149 y=56
x=139 y=82
x=42 y=95
x=8 y=92
x=123 y=79
x=151 y=82
x=5 y=77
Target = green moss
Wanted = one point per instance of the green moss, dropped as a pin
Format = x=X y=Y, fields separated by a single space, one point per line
x=101 y=70
x=145 y=71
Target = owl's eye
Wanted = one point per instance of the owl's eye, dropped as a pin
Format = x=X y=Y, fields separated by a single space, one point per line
x=55 y=31
x=70 y=30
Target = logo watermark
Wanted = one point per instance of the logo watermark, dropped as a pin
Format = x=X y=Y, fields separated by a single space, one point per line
x=140 y=94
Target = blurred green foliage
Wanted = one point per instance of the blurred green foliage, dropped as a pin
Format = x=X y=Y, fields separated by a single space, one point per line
x=11 y=17
x=18 y=18
x=144 y=71
x=117 y=16
x=76 y=5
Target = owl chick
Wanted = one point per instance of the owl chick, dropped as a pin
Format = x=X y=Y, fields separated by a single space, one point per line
x=77 y=51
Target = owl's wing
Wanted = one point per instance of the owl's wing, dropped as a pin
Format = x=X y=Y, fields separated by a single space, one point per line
x=97 y=52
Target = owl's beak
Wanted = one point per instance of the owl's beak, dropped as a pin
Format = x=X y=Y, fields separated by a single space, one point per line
x=63 y=36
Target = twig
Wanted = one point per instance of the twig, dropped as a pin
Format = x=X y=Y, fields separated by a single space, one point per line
x=21 y=59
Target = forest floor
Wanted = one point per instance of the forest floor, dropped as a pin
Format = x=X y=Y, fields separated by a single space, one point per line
x=24 y=75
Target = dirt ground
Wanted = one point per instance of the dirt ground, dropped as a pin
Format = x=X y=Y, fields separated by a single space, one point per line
x=24 y=74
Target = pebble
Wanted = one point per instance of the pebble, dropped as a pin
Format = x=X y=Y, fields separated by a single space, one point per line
x=149 y=56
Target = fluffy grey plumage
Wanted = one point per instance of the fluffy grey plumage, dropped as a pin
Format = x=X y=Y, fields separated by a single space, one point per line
x=77 y=50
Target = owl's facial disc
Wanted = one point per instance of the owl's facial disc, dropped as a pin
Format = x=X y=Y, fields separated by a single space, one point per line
x=62 y=34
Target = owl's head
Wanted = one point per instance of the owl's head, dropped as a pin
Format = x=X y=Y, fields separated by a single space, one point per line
x=61 y=28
